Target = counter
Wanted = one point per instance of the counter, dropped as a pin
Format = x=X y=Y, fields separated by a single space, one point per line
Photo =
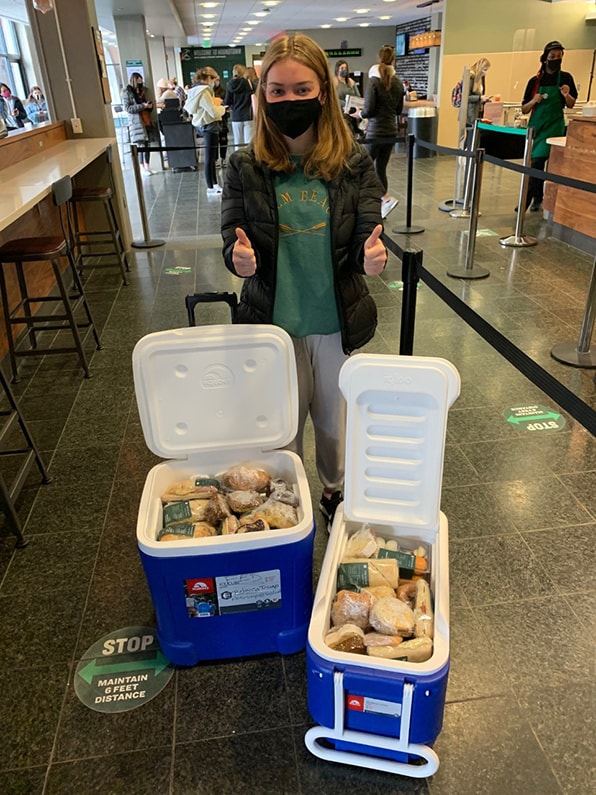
x=573 y=211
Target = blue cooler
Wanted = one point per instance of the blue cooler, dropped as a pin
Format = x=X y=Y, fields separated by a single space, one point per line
x=374 y=712
x=211 y=398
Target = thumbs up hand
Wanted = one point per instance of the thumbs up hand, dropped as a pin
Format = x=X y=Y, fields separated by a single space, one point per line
x=375 y=253
x=243 y=255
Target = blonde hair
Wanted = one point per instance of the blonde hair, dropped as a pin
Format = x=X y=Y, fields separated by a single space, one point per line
x=239 y=70
x=477 y=72
x=333 y=140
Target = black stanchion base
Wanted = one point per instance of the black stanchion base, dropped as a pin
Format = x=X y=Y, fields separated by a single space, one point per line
x=474 y=273
x=408 y=230
x=567 y=353
x=148 y=243
x=449 y=204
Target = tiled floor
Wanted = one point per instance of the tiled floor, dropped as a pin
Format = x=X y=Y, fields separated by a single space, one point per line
x=521 y=508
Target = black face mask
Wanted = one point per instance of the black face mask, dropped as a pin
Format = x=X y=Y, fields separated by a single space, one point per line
x=293 y=117
x=343 y=72
x=555 y=64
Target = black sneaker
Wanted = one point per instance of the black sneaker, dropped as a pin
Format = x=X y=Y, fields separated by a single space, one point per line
x=328 y=506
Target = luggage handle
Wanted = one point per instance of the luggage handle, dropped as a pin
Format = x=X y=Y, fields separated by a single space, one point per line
x=364 y=759
x=231 y=299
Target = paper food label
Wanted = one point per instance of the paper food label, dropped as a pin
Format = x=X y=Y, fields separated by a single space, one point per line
x=374 y=705
x=241 y=593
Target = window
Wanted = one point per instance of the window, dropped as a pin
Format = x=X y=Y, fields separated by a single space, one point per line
x=11 y=67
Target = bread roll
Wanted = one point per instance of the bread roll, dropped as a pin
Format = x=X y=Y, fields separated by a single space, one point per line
x=351 y=607
x=377 y=639
x=417 y=650
x=188 y=490
x=392 y=617
x=242 y=478
x=379 y=591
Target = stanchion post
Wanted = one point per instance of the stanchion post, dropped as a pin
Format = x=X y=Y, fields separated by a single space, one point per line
x=469 y=178
x=147 y=242
x=450 y=204
x=408 y=229
x=468 y=271
x=580 y=355
x=518 y=239
x=409 y=274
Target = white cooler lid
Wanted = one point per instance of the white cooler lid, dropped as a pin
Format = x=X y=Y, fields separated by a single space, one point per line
x=217 y=387
x=396 y=426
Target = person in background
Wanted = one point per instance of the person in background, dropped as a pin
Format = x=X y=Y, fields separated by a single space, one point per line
x=345 y=86
x=301 y=224
x=238 y=98
x=477 y=95
x=547 y=94
x=206 y=117
x=220 y=93
x=12 y=110
x=140 y=108
x=383 y=102
x=180 y=92
x=36 y=106
x=164 y=91
x=252 y=77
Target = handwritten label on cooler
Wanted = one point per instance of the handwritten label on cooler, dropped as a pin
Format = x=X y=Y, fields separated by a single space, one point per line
x=207 y=597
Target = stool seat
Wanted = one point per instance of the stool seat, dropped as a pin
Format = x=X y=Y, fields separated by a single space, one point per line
x=91 y=194
x=29 y=249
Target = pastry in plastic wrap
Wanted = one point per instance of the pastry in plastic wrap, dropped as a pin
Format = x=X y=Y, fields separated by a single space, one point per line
x=278 y=515
x=356 y=573
x=280 y=491
x=242 y=478
x=230 y=525
x=378 y=639
x=424 y=619
x=392 y=617
x=178 y=532
x=253 y=527
x=217 y=509
x=351 y=607
x=243 y=501
x=417 y=650
x=407 y=592
x=379 y=591
x=188 y=490
x=362 y=544
x=348 y=637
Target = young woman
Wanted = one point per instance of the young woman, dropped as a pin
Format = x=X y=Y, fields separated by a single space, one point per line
x=206 y=117
x=345 y=86
x=301 y=224
x=140 y=109
x=547 y=94
x=383 y=102
x=13 y=112
x=238 y=98
x=36 y=106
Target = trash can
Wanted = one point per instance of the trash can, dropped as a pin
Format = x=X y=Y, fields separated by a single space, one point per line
x=422 y=122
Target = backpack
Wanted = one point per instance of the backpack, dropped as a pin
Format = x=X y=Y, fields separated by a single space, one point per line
x=456 y=95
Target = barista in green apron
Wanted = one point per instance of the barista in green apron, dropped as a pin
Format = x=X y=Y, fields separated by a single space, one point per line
x=546 y=95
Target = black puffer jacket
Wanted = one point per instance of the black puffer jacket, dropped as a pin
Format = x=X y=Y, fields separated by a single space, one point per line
x=381 y=107
x=249 y=202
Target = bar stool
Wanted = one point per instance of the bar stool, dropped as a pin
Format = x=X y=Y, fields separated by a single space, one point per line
x=86 y=242
x=37 y=250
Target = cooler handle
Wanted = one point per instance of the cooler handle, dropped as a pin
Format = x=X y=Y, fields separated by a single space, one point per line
x=400 y=744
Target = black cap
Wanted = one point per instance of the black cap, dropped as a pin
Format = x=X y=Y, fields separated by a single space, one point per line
x=552 y=45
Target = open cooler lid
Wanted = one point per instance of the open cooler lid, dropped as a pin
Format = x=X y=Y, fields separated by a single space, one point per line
x=396 y=425
x=216 y=387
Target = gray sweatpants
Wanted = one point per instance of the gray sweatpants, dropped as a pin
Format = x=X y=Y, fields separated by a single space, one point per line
x=318 y=361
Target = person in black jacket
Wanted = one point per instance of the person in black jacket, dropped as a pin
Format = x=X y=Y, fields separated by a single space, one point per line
x=301 y=224
x=238 y=99
x=13 y=112
x=383 y=102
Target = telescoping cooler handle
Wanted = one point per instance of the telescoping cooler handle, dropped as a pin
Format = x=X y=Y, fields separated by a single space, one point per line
x=231 y=299
x=363 y=739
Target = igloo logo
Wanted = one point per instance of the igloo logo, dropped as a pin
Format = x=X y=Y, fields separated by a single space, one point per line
x=218 y=377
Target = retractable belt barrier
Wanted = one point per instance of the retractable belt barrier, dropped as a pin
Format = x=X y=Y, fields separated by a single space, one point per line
x=413 y=271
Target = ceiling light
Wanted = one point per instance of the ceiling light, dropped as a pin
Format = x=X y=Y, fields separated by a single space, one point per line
x=253 y=21
x=341 y=19
x=209 y=5
x=363 y=24
x=325 y=26
x=384 y=17
x=261 y=13
x=361 y=10
x=208 y=16
x=270 y=2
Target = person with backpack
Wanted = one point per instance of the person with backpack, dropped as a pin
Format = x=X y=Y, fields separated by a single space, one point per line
x=547 y=94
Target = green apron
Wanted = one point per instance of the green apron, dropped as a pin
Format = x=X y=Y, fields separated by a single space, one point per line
x=547 y=119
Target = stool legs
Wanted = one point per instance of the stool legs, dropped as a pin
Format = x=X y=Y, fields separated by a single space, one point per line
x=83 y=239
